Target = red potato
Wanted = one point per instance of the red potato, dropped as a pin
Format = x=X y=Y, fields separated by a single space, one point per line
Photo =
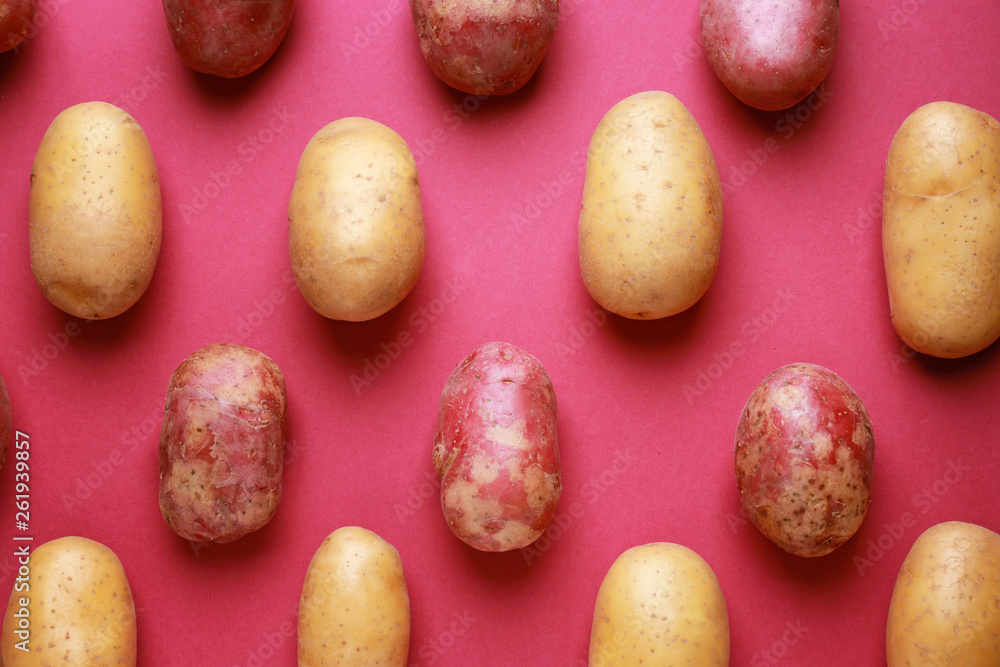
x=227 y=38
x=770 y=55
x=485 y=47
x=6 y=421
x=222 y=444
x=16 y=20
x=496 y=449
x=805 y=451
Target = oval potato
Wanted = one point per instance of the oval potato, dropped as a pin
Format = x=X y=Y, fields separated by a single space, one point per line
x=356 y=226
x=17 y=19
x=80 y=609
x=651 y=221
x=660 y=604
x=945 y=607
x=941 y=230
x=355 y=608
x=95 y=211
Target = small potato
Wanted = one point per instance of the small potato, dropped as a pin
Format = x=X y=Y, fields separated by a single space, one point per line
x=805 y=453
x=227 y=38
x=770 y=55
x=16 y=20
x=660 y=605
x=222 y=445
x=356 y=226
x=941 y=230
x=945 y=608
x=497 y=450
x=6 y=422
x=74 y=609
x=355 y=608
x=485 y=47
x=651 y=220
x=95 y=212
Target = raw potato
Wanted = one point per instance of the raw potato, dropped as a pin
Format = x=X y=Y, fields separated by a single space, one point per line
x=16 y=20
x=95 y=212
x=497 y=450
x=355 y=608
x=651 y=221
x=227 y=38
x=485 y=47
x=222 y=445
x=660 y=605
x=356 y=226
x=805 y=453
x=770 y=55
x=79 y=605
x=941 y=230
x=6 y=422
x=945 y=608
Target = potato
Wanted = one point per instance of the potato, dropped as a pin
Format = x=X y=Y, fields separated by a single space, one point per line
x=16 y=20
x=71 y=605
x=497 y=450
x=485 y=47
x=95 y=212
x=356 y=226
x=945 y=607
x=6 y=422
x=227 y=38
x=770 y=55
x=222 y=444
x=659 y=604
x=805 y=453
x=941 y=230
x=651 y=220
x=355 y=609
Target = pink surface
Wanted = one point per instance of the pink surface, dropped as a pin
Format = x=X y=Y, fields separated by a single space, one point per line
x=647 y=410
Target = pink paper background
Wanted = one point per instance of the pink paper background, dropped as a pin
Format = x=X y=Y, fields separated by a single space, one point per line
x=645 y=458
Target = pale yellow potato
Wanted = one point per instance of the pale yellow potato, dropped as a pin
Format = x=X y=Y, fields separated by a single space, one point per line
x=79 y=605
x=651 y=221
x=945 y=608
x=659 y=604
x=355 y=608
x=941 y=230
x=356 y=225
x=95 y=212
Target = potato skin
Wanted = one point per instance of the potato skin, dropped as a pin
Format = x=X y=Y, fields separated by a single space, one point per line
x=485 y=47
x=227 y=38
x=805 y=454
x=770 y=55
x=80 y=608
x=356 y=225
x=6 y=421
x=651 y=220
x=941 y=230
x=16 y=20
x=355 y=607
x=95 y=211
x=660 y=604
x=945 y=607
x=497 y=450
x=222 y=444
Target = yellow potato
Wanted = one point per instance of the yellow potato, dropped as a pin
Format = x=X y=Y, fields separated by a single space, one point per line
x=659 y=604
x=95 y=212
x=651 y=220
x=355 y=609
x=941 y=230
x=73 y=607
x=945 y=608
x=356 y=226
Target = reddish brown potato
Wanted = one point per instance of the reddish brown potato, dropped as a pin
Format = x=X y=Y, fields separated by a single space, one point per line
x=16 y=19
x=485 y=47
x=222 y=444
x=805 y=451
x=5 y=421
x=227 y=38
x=496 y=449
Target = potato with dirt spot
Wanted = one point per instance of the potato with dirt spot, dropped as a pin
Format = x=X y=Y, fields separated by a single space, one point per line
x=497 y=450
x=651 y=221
x=945 y=608
x=222 y=444
x=16 y=22
x=805 y=454
x=79 y=609
x=355 y=608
